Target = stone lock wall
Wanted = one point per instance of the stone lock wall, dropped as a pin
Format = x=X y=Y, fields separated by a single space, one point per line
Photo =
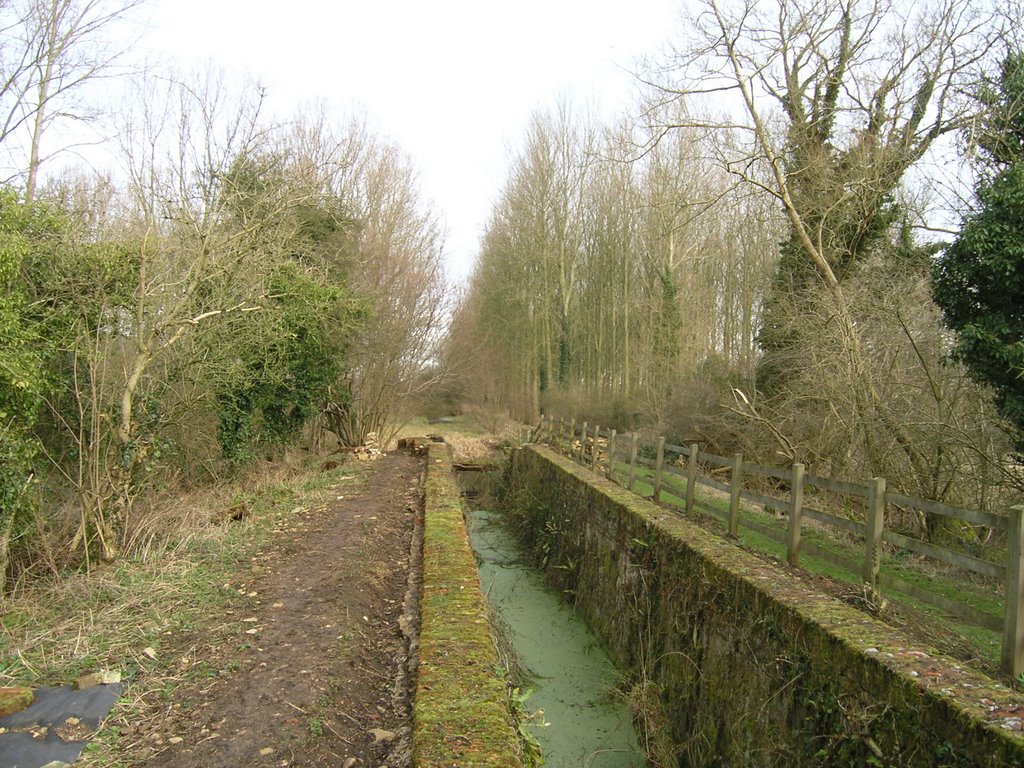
x=754 y=668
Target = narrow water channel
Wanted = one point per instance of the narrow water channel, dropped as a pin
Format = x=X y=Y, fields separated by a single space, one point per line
x=584 y=724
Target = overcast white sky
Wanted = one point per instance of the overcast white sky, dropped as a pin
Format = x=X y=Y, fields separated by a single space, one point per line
x=451 y=81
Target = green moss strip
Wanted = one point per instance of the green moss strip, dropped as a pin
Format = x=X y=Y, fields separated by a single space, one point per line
x=754 y=667
x=460 y=712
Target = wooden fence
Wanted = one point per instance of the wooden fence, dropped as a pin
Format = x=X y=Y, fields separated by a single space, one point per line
x=601 y=450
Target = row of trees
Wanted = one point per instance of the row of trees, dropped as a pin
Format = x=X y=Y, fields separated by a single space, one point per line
x=635 y=274
x=233 y=281
x=598 y=272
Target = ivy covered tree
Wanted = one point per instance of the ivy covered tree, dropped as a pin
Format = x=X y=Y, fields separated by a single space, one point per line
x=282 y=366
x=979 y=280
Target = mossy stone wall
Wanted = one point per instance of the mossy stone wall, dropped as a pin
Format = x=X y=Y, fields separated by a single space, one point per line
x=461 y=711
x=754 y=667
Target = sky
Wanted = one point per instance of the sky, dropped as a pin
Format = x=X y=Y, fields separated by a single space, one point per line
x=453 y=82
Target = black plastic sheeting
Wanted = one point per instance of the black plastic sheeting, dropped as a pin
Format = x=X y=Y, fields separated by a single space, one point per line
x=52 y=707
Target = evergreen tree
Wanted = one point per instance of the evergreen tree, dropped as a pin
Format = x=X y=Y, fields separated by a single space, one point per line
x=979 y=280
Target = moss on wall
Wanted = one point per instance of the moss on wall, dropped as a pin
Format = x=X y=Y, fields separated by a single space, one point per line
x=753 y=667
x=460 y=709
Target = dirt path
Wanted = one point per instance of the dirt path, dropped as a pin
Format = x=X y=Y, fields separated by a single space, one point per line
x=308 y=668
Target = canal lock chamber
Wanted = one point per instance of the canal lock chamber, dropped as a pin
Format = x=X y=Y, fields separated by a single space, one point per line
x=568 y=693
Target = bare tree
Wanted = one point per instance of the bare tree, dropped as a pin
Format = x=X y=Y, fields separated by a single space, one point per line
x=53 y=48
x=198 y=250
x=394 y=268
x=838 y=99
x=602 y=277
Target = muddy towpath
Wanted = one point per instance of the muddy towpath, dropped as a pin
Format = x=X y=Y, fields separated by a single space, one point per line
x=306 y=666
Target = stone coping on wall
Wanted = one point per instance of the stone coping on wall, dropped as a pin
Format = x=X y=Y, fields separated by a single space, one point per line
x=461 y=713
x=750 y=658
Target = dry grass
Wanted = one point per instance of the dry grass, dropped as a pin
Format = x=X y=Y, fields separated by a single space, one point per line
x=170 y=520
x=132 y=616
x=103 y=619
x=183 y=554
x=470 y=449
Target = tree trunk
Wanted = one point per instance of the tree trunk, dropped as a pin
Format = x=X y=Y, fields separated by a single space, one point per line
x=39 y=118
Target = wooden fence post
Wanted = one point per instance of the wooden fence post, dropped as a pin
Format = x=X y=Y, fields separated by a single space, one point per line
x=691 y=477
x=572 y=436
x=796 y=508
x=610 y=469
x=875 y=523
x=597 y=447
x=659 y=465
x=1012 y=662
x=734 y=496
x=583 y=443
x=632 y=460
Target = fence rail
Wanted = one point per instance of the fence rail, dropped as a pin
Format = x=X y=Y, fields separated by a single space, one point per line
x=601 y=450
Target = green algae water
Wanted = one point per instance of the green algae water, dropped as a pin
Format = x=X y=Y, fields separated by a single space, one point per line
x=584 y=723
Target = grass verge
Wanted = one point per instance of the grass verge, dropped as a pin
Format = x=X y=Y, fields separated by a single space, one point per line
x=123 y=616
